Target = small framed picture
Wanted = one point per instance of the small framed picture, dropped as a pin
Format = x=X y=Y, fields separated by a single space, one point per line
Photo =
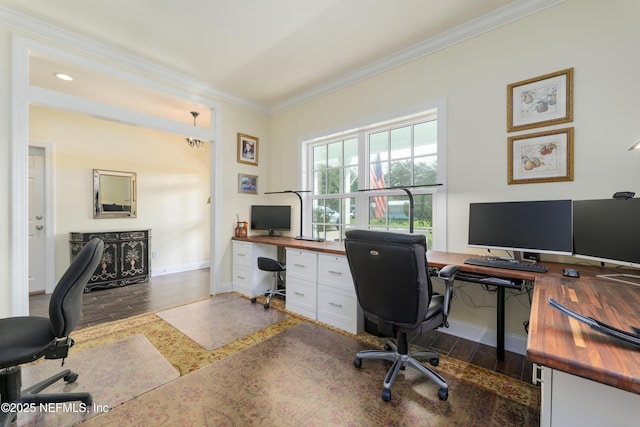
x=541 y=101
x=247 y=149
x=247 y=184
x=541 y=157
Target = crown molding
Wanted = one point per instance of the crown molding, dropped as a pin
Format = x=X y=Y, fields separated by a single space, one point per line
x=503 y=16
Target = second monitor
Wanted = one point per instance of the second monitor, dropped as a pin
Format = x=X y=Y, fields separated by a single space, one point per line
x=271 y=218
x=530 y=226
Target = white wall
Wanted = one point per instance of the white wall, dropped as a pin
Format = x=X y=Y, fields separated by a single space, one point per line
x=599 y=39
x=172 y=185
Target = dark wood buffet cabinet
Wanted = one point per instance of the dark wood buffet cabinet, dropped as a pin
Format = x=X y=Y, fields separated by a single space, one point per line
x=125 y=259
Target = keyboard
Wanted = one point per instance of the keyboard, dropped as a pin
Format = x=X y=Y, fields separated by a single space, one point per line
x=508 y=264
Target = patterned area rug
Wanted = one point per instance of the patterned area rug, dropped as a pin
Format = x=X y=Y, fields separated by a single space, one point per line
x=305 y=376
x=490 y=390
x=113 y=373
x=214 y=322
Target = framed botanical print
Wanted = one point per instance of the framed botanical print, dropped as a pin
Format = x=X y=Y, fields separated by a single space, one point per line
x=541 y=157
x=540 y=101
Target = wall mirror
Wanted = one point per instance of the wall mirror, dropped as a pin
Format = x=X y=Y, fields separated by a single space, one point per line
x=114 y=194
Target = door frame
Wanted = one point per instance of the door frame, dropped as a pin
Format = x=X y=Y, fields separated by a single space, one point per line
x=49 y=216
x=23 y=95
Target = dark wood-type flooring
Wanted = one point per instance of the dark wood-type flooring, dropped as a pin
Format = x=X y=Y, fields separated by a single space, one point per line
x=170 y=290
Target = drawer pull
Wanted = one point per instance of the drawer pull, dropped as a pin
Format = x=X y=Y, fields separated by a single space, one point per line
x=300 y=265
x=339 y=273
x=299 y=294
x=241 y=254
x=335 y=305
x=240 y=277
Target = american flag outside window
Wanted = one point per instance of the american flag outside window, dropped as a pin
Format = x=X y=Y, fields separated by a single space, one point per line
x=377 y=181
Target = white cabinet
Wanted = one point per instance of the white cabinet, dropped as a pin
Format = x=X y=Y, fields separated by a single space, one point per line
x=319 y=285
x=302 y=267
x=569 y=400
x=247 y=278
x=337 y=302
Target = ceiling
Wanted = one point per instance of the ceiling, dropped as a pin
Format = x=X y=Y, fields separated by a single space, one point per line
x=264 y=53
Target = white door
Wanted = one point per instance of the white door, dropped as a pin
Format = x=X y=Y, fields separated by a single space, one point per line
x=37 y=233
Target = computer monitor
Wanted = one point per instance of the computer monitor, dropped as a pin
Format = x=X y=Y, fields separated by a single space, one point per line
x=271 y=218
x=607 y=230
x=530 y=226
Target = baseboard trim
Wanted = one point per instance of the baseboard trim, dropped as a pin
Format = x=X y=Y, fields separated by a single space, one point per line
x=180 y=268
x=512 y=342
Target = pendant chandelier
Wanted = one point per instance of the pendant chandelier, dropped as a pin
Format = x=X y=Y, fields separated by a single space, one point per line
x=194 y=142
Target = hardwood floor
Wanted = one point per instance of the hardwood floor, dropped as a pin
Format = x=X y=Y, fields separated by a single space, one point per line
x=170 y=290
x=106 y=305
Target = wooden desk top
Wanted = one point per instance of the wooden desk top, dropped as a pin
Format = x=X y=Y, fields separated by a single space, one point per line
x=560 y=342
x=555 y=340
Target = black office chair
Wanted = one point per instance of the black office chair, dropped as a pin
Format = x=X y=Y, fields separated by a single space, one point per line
x=393 y=287
x=268 y=264
x=28 y=338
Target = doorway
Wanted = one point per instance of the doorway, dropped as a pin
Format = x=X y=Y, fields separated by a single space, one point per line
x=40 y=220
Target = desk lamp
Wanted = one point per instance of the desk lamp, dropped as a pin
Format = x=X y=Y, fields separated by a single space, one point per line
x=405 y=188
x=297 y=193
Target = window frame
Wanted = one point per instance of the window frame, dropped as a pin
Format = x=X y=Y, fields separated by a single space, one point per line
x=435 y=110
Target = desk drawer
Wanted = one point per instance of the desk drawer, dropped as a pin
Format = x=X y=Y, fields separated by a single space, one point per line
x=301 y=297
x=340 y=309
x=242 y=280
x=242 y=253
x=334 y=271
x=302 y=264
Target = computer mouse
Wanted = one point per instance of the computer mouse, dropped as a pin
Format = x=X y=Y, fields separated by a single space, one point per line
x=570 y=272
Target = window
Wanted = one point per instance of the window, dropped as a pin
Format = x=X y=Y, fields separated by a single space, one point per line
x=397 y=153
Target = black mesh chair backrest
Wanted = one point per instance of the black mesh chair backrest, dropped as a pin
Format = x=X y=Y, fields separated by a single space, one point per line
x=65 y=306
x=389 y=272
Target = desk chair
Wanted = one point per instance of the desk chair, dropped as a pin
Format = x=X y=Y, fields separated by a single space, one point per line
x=268 y=264
x=28 y=338
x=393 y=287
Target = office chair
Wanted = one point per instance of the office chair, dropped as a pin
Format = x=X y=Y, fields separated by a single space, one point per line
x=393 y=287
x=268 y=264
x=28 y=338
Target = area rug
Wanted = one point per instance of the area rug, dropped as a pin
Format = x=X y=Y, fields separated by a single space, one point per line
x=215 y=322
x=113 y=373
x=305 y=376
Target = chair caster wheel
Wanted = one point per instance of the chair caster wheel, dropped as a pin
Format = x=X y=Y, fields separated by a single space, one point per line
x=88 y=401
x=386 y=395
x=443 y=393
x=387 y=347
x=435 y=361
x=357 y=362
x=266 y=305
x=253 y=300
x=71 y=378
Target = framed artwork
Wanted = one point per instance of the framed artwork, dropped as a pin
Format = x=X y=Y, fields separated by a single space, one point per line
x=541 y=101
x=247 y=149
x=541 y=157
x=247 y=184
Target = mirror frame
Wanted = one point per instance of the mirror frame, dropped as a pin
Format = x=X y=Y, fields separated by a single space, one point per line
x=98 y=208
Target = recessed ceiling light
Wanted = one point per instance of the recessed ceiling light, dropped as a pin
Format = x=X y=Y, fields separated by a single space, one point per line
x=63 y=76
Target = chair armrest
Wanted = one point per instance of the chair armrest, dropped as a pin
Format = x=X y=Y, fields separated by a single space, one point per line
x=448 y=274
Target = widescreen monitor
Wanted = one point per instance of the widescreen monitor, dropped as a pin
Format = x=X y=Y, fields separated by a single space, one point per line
x=530 y=226
x=607 y=230
x=271 y=218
